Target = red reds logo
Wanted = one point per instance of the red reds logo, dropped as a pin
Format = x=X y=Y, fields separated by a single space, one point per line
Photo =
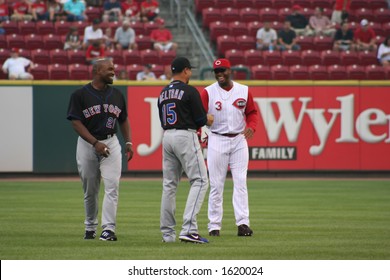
x=239 y=103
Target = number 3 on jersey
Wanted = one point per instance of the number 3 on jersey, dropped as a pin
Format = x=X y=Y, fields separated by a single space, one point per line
x=169 y=114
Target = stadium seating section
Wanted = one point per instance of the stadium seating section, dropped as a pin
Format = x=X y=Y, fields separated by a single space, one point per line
x=231 y=26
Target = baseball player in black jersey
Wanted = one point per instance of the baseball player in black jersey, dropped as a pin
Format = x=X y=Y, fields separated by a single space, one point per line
x=95 y=110
x=181 y=114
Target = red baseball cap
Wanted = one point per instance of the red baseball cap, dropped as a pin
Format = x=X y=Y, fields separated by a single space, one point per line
x=221 y=63
x=15 y=50
x=296 y=7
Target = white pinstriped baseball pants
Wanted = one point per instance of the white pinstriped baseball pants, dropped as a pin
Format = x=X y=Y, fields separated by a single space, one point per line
x=223 y=152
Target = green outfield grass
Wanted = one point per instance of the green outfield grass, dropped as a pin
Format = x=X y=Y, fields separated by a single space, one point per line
x=291 y=219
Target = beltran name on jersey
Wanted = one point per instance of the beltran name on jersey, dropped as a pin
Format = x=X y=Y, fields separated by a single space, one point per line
x=96 y=109
x=171 y=94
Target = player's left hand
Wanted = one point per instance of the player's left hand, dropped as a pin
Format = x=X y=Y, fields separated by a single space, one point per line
x=129 y=151
x=248 y=133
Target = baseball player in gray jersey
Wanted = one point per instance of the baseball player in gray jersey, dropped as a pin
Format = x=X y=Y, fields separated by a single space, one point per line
x=94 y=111
x=181 y=114
x=236 y=118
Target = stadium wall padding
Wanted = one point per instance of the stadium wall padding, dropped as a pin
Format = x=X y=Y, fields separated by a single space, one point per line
x=36 y=136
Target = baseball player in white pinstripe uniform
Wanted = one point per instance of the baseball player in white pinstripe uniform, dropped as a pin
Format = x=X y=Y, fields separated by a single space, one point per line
x=235 y=120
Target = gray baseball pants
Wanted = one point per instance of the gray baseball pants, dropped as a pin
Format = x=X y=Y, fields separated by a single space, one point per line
x=182 y=152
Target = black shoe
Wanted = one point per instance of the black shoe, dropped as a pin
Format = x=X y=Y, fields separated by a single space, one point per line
x=214 y=232
x=244 y=230
x=194 y=238
x=108 y=235
x=90 y=234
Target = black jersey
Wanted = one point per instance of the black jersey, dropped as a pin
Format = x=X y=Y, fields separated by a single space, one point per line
x=180 y=107
x=99 y=111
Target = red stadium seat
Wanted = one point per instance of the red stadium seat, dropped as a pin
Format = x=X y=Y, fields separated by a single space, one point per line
x=150 y=26
x=375 y=72
x=53 y=41
x=59 y=56
x=280 y=72
x=157 y=69
x=202 y=4
x=311 y=57
x=326 y=4
x=283 y=13
x=253 y=27
x=329 y=57
x=230 y=14
x=337 y=72
x=40 y=71
x=318 y=72
x=16 y=41
x=386 y=29
x=291 y=57
x=34 y=41
x=118 y=68
x=149 y=57
x=279 y=4
x=277 y=25
x=41 y=56
x=272 y=57
x=27 y=27
x=58 y=72
x=209 y=15
x=133 y=69
x=62 y=27
x=377 y=4
x=166 y=57
x=307 y=12
x=220 y=4
x=138 y=27
x=240 y=4
x=323 y=43
x=377 y=28
x=305 y=42
x=246 y=42
x=116 y=55
x=261 y=72
x=93 y=12
x=77 y=57
x=237 y=28
x=303 y=3
x=236 y=57
x=382 y=15
x=81 y=25
x=144 y=42
x=4 y=54
x=131 y=57
x=268 y=14
x=358 y=4
x=25 y=53
x=239 y=72
x=356 y=72
x=249 y=15
x=367 y=58
x=218 y=28
x=10 y=27
x=299 y=72
x=225 y=43
x=363 y=13
x=3 y=42
x=44 y=27
x=253 y=57
x=262 y=3
x=78 y=72
x=349 y=58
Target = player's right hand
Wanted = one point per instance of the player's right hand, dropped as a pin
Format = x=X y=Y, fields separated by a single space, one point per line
x=210 y=119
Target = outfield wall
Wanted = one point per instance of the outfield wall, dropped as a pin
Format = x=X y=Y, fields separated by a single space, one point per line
x=304 y=126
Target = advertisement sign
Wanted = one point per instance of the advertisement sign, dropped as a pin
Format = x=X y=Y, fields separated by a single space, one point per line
x=300 y=128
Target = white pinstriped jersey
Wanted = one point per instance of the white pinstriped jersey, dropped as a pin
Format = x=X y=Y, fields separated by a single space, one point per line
x=228 y=108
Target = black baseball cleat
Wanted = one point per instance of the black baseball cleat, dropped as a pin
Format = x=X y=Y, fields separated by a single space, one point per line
x=108 y=235
x=244 y=230
x=214 y=232
x=90 y=234
x=194 y=238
